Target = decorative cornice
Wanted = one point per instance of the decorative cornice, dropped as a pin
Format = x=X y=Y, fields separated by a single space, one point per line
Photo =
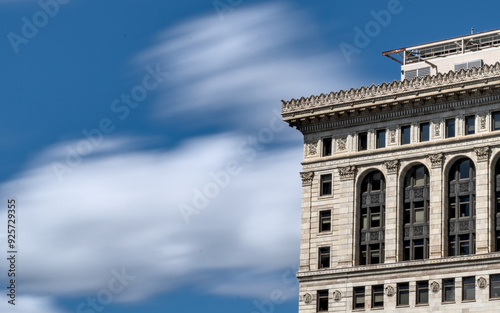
x=392 y=166
x=347 y=172
x=436 y=159
x=394 y=89
x=482 y=153
x=307 y=178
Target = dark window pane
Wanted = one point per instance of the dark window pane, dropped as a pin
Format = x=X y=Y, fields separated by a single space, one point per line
x=403 y=294
x=326 y=184
x=406 y=251
x=470 y=125
x=405 y=135
x=468 y=288
x=327 y=146
x=359 y=297
x=494 y=286
x=322 y=300
x=449 y=290
x=324 y=257
x=325 y=221
x=420 y=176
x=381 y=138
x=496 y=120
x=464 y=244
x=464 y=169
x=450 y=128
x=363 y=141
x=424 y=132
x=422 y=292
x=378 y=296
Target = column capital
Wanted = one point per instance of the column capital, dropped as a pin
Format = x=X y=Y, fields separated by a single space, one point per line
x=347 y=172
x=307 y=178
x=482 y=153
x=436 y=159
x=392 y=166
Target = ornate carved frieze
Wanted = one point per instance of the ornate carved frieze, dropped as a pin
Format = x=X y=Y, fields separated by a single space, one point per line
x=393 y=135
x=341 y=144
x=392 y=166
x=347 y=172
x=437 y=128
x=482 y=153
x=482 y=121
x=337 y=295
x=389 y=291
x=307 y=178
x=307 y=298
x=396 y=87
x=312 y=149
x=436 y=159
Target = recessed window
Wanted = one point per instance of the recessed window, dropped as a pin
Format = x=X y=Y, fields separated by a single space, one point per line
x=322 y=297
x=422 y=294
x=324 y=257
x=362 y=141
x=381 y=138
x=468 y=288
x=326 y=185
x=449 y=290
x=325 y=221
x=495 y=286
x=450 y=128
x=403 y=294
x=327 y=146
x=424 y=132
x=496 y=120
x=470 y=125
x=359 y=298
x=378 y=296
x=405 y=135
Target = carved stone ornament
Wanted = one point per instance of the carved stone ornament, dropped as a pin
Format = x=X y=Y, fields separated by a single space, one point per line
x=392 y=166
x=389 y=291
x=393 y=135
x=435 y=286
x=441 y=80
x=308 y=298
x=437 y=128
x=482 y=120
x=482 y=153
x=341 y=144
x=337 y=295
x=482 y=282
x=307 y=178
x=436 y=159
x=312 y=149
x=347 y=172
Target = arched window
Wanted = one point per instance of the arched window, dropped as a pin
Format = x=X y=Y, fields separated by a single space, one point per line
x=462 y=208
x=416 y=214
x=497 y=206
x=372 y=211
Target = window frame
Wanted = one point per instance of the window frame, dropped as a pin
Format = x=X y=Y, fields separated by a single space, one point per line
x=402 y=288
x=321 y=297
x=420 y=132
x=447 y=128
x=448 y=284
x=324 y=252
x=403 y=128
x=494 y=282
x=325 y=179
x=493 y=116
x=358 y=292
x=322 y=217
x=377 y=290
x=469 y=281
x=363 y=136
x=327 y=146
x=378 y=137
x=467 y=120
x=421 y=286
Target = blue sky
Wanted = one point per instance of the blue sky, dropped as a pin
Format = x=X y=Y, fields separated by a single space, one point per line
x=143 y=143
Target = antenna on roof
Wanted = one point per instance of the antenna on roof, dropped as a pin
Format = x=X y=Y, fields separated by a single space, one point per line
x=472 y=31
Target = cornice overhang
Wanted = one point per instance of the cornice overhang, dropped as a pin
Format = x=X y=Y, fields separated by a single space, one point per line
x=344 y=107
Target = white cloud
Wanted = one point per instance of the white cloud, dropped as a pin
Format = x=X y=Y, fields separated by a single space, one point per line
x=121 y=210
x=29 y=304
x=238 y=69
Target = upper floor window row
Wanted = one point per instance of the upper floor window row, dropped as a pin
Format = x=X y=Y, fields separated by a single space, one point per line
x=421 y=132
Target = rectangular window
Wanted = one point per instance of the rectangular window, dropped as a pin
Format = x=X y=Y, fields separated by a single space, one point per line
x=495 y=286
x=422 y=294
x=325 y=221
x=470 y=125
x=450 y=128
x=326 y=185
x=322 y=302
x=359 y=298
x=468 y=288
x=424 y=132
x=449 y=290
x=362 y=141
x=403 y=294
x=381 y=138
x=378 y=296
x=327 y=146
x=324 y=257
x=405 y=135
x=496 y=120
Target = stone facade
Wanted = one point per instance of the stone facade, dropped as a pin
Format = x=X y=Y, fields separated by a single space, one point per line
x=434 y=143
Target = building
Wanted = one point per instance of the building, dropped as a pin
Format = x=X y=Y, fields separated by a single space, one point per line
x=401 y=185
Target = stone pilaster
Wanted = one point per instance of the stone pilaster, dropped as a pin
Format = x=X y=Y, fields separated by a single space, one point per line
x=483 y=225
x=305 y=233
x=436 y=214
x=391 y=209
x=347 y=216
